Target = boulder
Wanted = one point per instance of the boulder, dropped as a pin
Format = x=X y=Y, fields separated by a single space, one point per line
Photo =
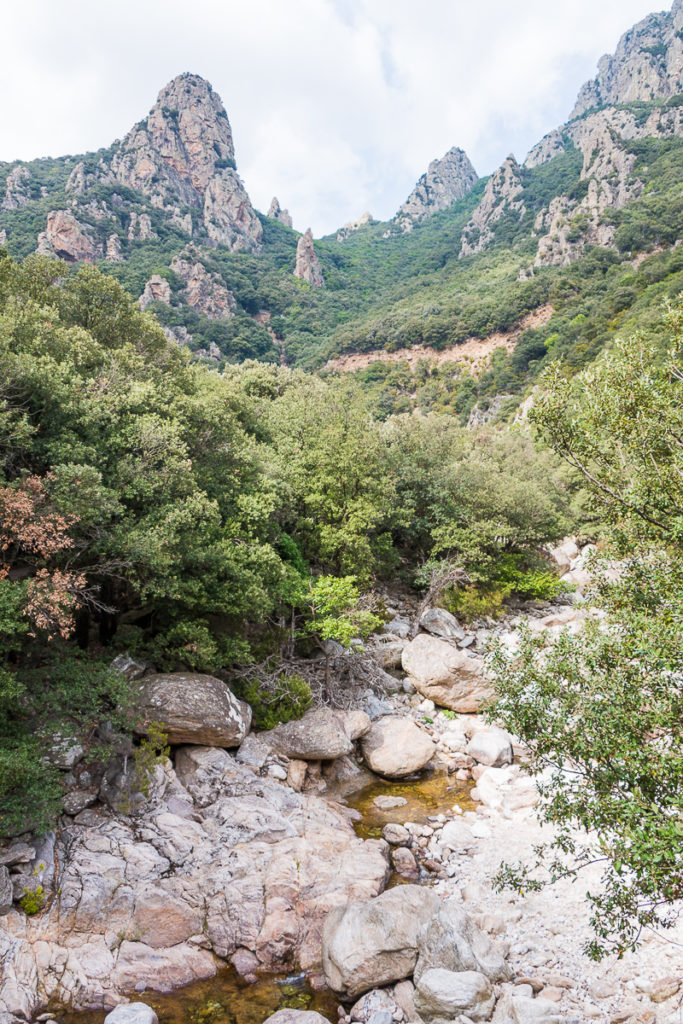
x=132 y=1013
x=376 y=1001
x=388 y=653
x=525 y=1010
x=440 y=995
x=492 y=747
x=192 y=708
x=404 y=862
x=441 y=623
x=456 y=835
x=373 y=942
x=564 y=553
x=452 y=941
x=445 y=674
x=396 y=747
x=320 y=735
x=505 y=789
x=288 y=1016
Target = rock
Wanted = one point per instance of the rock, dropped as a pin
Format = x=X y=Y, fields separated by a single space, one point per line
x=277 y=213
x=113 y=253
x=354 y=225
x=253 y=752
x=506 y=789
x=664 y=988
x=502 y=196
x=525 y=1010
x=396 y=835
x=453 y=942
x=64 y=751
x=205 y=292
x=68 y=239
x=440 y=995
x=457 y=835
x=132 y=1013
x=398 y=626
x=17 y=853
x=308 y=267
x=441 y=623
x=129 y=666
x=404 y=993
x=388 y=653
x=373 y=942
x=395 y=747
x=447 y=675
x=192 y=708
x=6 y=891
x=404 y=862
x=157 y=289
x=565 y=553
x=445 y=182
x=140 y=228
x=288 y=1016
x=492 y=747
x=321 y=734
x=296 y=774
x=17 y=189
x=377 y=1000
x=77 y=800
x=387 y=803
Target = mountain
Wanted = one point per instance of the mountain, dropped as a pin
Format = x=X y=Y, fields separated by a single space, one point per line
x=455 y=304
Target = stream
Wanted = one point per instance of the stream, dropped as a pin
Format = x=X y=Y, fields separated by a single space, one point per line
x=227 y=998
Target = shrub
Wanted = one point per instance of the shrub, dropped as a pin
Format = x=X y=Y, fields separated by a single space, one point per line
x=287 y=700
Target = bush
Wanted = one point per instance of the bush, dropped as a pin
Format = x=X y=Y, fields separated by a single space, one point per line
x=287 y=700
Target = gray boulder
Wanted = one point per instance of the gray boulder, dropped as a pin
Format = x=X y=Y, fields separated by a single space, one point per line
x=491 y=747
x=192 y=708
x=295 y=1017
x=395 y=747
x=453 y=942
x=445 y=674
x=132 y=1013
x=373 y=942
x=320 y=735
x=441 y=995
x=441 y=623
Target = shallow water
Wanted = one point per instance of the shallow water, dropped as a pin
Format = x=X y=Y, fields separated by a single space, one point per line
x=227 y=999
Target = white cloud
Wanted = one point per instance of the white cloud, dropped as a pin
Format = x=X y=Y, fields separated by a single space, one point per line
x=337 y=106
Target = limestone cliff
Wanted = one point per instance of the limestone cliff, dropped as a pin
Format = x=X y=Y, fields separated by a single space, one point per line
x=445 y=182
x=503 y=194
x=647 y=64
x=307 y=265
x=182 y=155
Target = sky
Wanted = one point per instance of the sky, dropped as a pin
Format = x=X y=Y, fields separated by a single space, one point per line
x=336 y=106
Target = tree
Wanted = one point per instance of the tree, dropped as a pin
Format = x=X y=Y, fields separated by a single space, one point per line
x=602 y=712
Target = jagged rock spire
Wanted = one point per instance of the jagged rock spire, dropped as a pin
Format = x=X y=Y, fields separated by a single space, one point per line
x=308 y=266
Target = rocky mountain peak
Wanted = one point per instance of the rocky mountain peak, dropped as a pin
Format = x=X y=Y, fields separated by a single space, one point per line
x=503 y=194
x=445 y=182
x=646 y=65
x=277 y=213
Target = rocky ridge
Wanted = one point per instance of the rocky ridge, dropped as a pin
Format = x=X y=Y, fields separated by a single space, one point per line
x=444 y=182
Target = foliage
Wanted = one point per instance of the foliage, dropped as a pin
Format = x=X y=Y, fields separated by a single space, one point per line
x=151 y=751
x=603 y=711
x=336 y=612
x=289 y=699
x=33 y=900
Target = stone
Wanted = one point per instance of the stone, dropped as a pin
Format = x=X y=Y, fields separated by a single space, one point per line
x=387 y=803
x=564 y=553
x=506 y=789
x=192 y=708
x=113 y=252
x=277 y=213
x=664 y=988
x=373 y=942
x=157 y=289
x=503 y=195
x=6 y=891
x=321 y=735
x=441 y=623
x=68 y=239
x=446 y=674
x=64 y=751
x=525 y=1010
x=129 y=666
x=395 y=747
x=440 y=995
x=308 y=267
x=457 y=835
x=388 y=653
x=396 y=835
x=445 y=182
x=17 y=853
x=205 y=292
x=452 y=941
x=291 y=1016
x=132 y=1013
x=17 y=189
x=492 y=747
x=76 y=800
x=253 y=752
x=404 y=862
x=377 y=1000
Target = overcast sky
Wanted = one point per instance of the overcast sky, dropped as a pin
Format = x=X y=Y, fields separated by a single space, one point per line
x=337 y=106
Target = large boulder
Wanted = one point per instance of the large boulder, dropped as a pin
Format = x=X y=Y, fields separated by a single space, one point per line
x=506 y=789
x=490 y=747
x=441 y=995
x=192 y=708
x=320 y=735
x=445 y=674
x=395 y=747
x=374 y=942
x=452 y=941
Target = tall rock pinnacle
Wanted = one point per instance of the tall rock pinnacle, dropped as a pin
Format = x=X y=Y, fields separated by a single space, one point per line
x=308 y=266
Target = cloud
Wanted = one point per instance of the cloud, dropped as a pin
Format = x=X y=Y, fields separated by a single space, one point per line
x=337 y=106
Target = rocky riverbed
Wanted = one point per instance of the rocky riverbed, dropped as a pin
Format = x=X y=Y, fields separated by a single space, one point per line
x=281 y=854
